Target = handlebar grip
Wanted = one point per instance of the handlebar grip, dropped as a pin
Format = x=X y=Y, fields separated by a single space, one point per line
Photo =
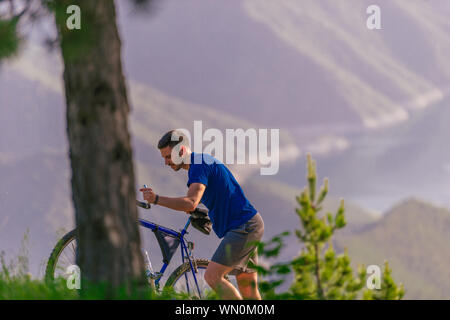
x=144 y=205
x=141 y=204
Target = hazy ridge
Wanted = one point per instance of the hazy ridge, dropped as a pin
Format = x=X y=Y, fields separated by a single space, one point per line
x=371 y=106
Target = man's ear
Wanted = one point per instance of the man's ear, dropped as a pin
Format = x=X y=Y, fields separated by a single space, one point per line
x=182 y=151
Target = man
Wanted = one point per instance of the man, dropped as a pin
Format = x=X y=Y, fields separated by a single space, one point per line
x=233 y=217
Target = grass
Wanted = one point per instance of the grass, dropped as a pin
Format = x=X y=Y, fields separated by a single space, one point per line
x=15 y=284
x=25 y=288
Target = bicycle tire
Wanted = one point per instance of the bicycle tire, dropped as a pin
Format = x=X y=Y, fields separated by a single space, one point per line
x=56 y=252
x=185 y=267
x=182 y=269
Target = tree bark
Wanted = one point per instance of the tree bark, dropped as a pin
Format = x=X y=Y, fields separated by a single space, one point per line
x=100 y=150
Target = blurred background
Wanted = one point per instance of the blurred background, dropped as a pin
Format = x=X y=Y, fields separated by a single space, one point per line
x=371 y=106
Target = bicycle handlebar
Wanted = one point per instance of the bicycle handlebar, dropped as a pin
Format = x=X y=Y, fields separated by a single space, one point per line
x=197 y=213
x=144 y=205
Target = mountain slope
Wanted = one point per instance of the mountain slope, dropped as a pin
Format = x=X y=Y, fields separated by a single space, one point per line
x=413 y=237
x=270 y=62
x=398 y=162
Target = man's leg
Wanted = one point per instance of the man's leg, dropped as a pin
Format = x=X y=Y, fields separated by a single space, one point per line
x=248 y=285
x=215 y=277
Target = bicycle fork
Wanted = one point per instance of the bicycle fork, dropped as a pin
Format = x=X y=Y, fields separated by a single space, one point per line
x=190 y=258
x=149 y=269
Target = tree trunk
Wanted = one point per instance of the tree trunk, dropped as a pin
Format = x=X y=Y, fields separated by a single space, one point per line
x=100 y=150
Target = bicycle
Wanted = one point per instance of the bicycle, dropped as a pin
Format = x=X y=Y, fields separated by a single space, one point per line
x=168 y=240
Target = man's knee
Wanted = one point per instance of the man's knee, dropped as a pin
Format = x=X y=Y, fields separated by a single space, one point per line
x=215 y=273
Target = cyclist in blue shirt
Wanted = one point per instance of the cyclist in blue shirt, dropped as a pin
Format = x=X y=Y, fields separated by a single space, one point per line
x=233 y=217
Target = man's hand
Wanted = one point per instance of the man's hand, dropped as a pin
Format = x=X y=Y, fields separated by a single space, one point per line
x=148 y=194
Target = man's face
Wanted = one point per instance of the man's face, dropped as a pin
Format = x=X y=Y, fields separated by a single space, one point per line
x=166 y=153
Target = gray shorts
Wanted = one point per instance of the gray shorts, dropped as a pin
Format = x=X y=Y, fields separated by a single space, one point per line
x=236 y=248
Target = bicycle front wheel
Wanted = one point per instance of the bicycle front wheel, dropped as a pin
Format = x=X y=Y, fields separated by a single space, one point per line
x=62 y=256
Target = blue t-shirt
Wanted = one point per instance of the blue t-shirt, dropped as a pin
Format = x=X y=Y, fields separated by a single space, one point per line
x=228 y=207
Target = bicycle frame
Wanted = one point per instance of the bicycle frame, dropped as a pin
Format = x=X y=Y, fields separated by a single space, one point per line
x=184 y=249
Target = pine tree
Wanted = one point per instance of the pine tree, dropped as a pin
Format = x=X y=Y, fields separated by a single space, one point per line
x=100 y=152
x=9 y=39
x=319 y=272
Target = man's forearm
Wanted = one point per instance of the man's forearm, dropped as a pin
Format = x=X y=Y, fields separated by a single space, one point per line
x=180 y=204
